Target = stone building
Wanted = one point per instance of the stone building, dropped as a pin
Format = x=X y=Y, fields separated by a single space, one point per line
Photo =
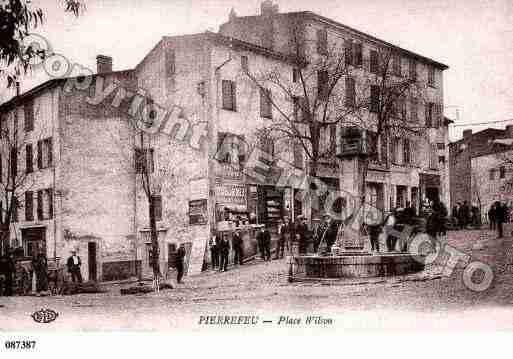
x=480 y=168
x=190 y=115
x=406 y=169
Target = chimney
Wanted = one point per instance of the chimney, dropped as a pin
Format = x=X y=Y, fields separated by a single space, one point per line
x=267 y=8
x=467 y=135
x=103 y=64
x=509 y=131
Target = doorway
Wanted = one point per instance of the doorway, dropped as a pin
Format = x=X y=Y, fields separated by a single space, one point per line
x=91 y=260
x=34 y=241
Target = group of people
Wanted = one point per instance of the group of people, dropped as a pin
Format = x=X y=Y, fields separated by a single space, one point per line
x=465 y=215
x=498 y=214
x=220 y=250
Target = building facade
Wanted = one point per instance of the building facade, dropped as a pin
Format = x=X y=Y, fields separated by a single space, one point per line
x=481 y=168
x=192 y=116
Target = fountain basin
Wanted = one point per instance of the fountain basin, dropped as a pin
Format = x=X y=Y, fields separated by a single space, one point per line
x=357 y=265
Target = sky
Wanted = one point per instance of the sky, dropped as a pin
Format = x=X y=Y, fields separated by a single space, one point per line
x=473 y=37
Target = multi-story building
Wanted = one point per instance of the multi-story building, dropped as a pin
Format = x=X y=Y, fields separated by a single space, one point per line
x=196 y=92
x=480 y=168
x=410 y=168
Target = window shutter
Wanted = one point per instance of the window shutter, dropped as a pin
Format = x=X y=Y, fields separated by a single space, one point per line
x=49 y=149
x=233 y=95
x=29 y=115
x=358 y=55
x=39 y=154
x=428 y=115
x=350 y=92
x=322 y=84
x=348 y=51
x=244 y=63
x=228 y=89
x=29 y=206
x=14 y=162
x=374 y=100
x=49 y=195
x=40 y=205
x=265 y=103
x=170 y=62
x=157 y=207
x=29 y=167
x=322 y=42
x=374 y=62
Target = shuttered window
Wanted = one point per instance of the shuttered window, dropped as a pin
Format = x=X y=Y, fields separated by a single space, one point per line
x=358 y=54
x=322 y=41
x=229 y=95
x=374 y=98
x=396 y=65
x=266 y=108
x=13 y=159
x=157 y=207
x=29 y=165
x=348 y=51
x=29 y=206
x=40 y=209
x=170 y=62
x=431 y=76
x=244 y=63
x=298 y=155
x=412 y=67
x=49 y=203
x=28 y=110
x=414 y=110
x=350 y=92
x=406 y=151
x=374 y=62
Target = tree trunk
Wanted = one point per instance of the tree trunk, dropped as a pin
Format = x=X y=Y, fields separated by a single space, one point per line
x=154 y=240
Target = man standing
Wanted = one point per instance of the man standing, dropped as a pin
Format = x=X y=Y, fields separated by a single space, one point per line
x=303 y=233
x=224 y=251
x=267 y=243
x=500 y=217
x=281 y=240
x=237 y=247
x=73 y=265
x=214 y=251
x=7 y=269
x=491 y=216
x=261 y=242
x=180 y=256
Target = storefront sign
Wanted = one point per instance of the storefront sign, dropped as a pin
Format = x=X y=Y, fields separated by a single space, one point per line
x=228 y=193
x=198 y=212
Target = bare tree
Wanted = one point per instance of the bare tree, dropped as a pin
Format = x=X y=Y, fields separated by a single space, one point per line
x=340 y=88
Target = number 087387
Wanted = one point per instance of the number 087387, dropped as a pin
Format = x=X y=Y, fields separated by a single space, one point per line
x=20 y=344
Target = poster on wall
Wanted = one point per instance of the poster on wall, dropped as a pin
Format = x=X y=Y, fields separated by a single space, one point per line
x=198 y=212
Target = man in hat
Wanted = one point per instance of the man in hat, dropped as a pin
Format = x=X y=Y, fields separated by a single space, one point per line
x=73 y=265
x=180 y=255
x=237 y=247
x=303 y=234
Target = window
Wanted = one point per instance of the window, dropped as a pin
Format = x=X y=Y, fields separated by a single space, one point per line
x=373 y=146
x=49 y=203
x=431 y=76
x=492 y=174
x=15 y=205
x=333 y=138
x=406 y=152
x=358 y=54
x=502 y=172
x=295 y=75
x=412 y=69
x=441 y=159
x=384 y=150
x=144 y=160
x=266 y=143
x=157 y=207
x=266 y=107
x=298 y=155
x=230 y=148
x=29 y=166
x=348 y=51
x=430 y=114
x=28 y=109
x=440 y=146
x=170 y=62
x=350 y=92
x=396 y=65
x=244 y=63
x=40 y=205
x=44 y=153
x=400 y=108
x=29 y=206
x=229 y=95
x=322 y=41
x=414 y=110
x=374 y=98
x=374 y=62
x=14 y=163
x=393 y=151
x=433 y=157
x=322 y=85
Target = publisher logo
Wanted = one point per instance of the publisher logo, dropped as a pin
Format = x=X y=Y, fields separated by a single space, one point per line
x=45 y=316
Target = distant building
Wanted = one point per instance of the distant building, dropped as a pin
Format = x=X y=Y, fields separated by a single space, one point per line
x=479 y=170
